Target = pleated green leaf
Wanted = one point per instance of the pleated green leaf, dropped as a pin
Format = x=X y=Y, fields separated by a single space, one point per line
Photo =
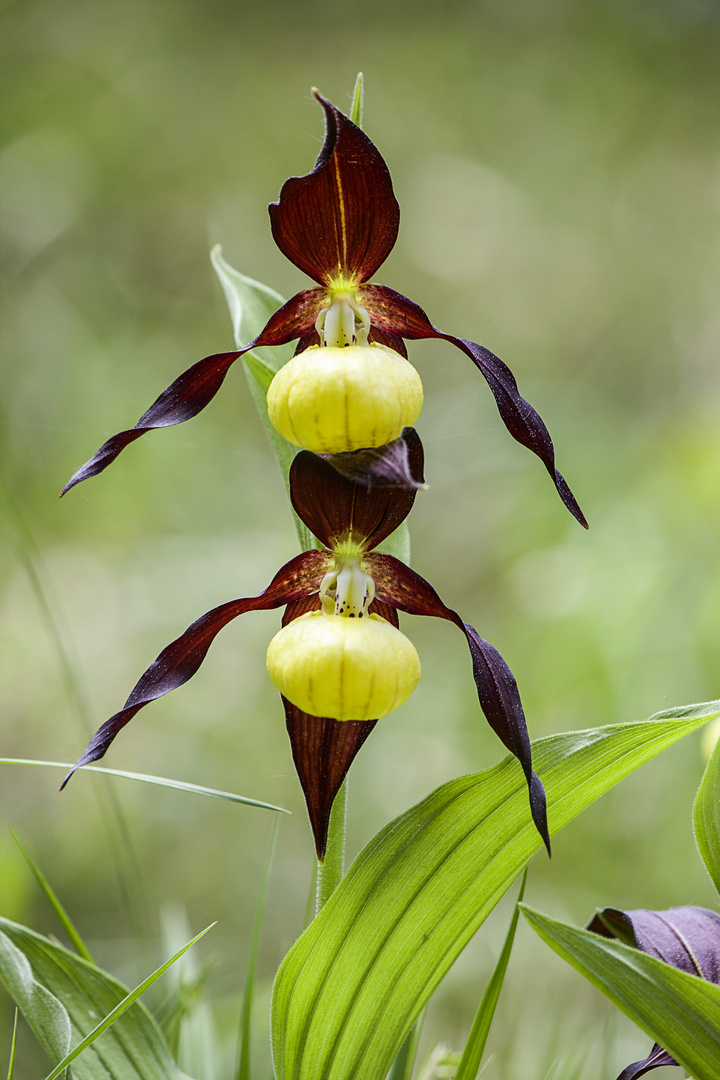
x=707 y=816
x=64 y=998
x=680 y=1011
x=351 y=987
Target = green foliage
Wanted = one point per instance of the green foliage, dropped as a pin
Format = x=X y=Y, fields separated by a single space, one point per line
x=13 y=1045
x=244 y=1041
x=404 y=1064
x=160 y=781
x=356 y=108
x=251 y=304
x=680 y=1011
x=69 y=1002
x=475 y=1045
x=707 y=816
x=55 y=902
x=351 y=987
x=575 y=236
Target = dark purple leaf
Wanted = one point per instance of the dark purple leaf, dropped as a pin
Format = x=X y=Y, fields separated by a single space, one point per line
x=686 y=937
x=197 y=386
x=655 y=1060
x=397 y=464
x=323 y=750
x=336 y=508
x=399 y=586
x=341 y=220
x=394 y=313
x=177 y=663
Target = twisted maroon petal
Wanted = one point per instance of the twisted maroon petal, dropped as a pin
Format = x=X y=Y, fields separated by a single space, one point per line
x=399 y=586
x=177 y=663
x=336 y=507
x=686 y=937
x=197 y=386
x=341 y=220
x=394 y=313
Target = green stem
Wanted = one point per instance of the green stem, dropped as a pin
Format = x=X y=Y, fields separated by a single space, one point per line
x=330 y=871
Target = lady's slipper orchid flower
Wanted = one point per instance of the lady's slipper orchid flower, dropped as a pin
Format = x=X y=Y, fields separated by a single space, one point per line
x=335 y=589
x=686 y=937
x=338 y=224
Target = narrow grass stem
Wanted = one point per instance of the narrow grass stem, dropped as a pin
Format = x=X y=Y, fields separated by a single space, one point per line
x=244 y=1048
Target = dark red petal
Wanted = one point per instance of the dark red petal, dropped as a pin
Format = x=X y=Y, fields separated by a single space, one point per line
x=301 y=607
x=336 y=508
x=399 y=586
x=392 y=341
x=306 y=341
x=686 y=937
x=177 y=663
x=394 y=313
x=341 y=220
x=378 y=607
x=323 y=750
x=197 y=386
x=294 y=319
x=397 y=464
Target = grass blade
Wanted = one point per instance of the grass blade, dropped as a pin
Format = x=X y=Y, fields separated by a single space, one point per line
x=122 y=1007
x=706 y=817
x=13 y=1044
x=404 y=1063
x=356 y=107
x=244 y=1048
x=475 y=1045
x=130 y=882
x=54 y=900
x=161 y=781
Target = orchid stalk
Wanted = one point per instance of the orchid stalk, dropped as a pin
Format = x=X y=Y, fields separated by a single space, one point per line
x=349 y=398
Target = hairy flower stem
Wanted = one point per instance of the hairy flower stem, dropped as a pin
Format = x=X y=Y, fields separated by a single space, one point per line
x=330 y=871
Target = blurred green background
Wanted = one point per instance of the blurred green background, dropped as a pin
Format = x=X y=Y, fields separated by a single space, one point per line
x=558 y=169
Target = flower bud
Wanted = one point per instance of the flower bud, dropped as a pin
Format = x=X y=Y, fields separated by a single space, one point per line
x=331 y=400
x=341 y=668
